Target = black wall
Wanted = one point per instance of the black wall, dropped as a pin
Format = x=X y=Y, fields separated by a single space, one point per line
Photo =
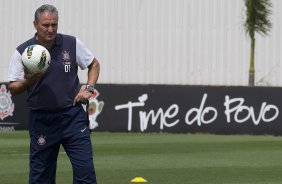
x=179 y=109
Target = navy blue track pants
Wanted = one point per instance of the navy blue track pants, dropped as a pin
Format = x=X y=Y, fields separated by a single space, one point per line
x=48 y=130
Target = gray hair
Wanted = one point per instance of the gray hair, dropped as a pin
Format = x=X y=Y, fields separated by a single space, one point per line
x=44 y=8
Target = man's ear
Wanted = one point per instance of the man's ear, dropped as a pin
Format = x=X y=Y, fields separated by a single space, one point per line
x=35 y=24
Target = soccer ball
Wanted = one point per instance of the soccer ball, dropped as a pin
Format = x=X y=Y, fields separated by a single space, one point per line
x=36 y=59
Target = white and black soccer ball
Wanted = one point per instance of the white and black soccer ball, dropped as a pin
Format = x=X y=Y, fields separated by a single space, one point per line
x=36 y=59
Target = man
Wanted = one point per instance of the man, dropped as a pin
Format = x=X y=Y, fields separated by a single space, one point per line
x=56 y=115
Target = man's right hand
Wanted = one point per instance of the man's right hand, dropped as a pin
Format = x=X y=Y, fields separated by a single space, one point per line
x=17 y=87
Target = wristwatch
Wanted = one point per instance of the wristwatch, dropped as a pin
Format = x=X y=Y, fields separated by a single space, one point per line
x=89 y=88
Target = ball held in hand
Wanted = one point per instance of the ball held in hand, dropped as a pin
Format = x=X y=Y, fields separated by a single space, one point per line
x=36 y=59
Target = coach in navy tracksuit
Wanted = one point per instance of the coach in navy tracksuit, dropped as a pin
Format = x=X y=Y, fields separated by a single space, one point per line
x=56 y=115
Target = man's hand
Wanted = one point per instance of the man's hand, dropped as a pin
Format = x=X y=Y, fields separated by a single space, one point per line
x=32 y=76
x=19 y=86
x=82 y=96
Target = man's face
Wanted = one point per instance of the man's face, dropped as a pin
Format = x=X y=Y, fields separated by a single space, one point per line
x=46 y=26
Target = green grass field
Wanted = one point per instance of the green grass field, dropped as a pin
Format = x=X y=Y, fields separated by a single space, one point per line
x=160 y=158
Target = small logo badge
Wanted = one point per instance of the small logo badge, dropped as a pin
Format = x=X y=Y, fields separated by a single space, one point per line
x=6 y=104
x=41 y=140
x=82 y=130
x=66 y=55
